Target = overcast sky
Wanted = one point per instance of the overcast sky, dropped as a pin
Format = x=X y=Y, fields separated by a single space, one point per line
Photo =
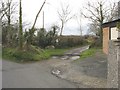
x=31 y=7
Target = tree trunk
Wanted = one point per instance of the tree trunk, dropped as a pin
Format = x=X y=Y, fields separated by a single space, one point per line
x=20 y=27
x=61 y=28
x=9 y=25
x=101 y=22
x=101 y=34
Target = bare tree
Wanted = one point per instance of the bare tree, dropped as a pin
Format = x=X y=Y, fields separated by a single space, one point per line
x=20 y=26
x=64 y=15
x=8 y=9
x=99 y=12
x=2 y=10
x=112 y=12
x=1 y=15
x=94 y=28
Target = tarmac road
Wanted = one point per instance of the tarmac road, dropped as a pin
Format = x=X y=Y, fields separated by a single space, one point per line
x=88 y=73
x=32 y=75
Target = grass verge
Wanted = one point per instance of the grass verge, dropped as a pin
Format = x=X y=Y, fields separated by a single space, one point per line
x=90 y=52
x=26 y=56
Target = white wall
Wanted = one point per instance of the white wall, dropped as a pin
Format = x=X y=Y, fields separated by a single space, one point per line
x=114 y=33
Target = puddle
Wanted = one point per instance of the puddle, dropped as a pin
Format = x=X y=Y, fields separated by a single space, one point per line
x=74 y=57
x=64 y=57
x=56 y=72
x=71 y=55
x=55 y=57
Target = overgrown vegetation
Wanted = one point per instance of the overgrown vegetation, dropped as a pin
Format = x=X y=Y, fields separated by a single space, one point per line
x=118 y=26
x=95 y=46
x=71 y=41
x=21 y=55
x=35 y=54
x=46 y=38
x=95 y=43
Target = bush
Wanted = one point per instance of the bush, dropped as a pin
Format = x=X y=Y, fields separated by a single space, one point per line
x=71 y=41
x=31 y=55
x=46 y=38
x=8 y=53
x=21 y=55
x=96 y=43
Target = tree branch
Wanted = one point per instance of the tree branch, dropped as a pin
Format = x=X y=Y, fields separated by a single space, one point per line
x=38 y=14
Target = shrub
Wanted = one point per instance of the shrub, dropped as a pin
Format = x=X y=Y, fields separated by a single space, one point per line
x=46 y=38
x=34 y=54
x=96 y=43
x=71 y=41
x=8 y=53
x=31 y=55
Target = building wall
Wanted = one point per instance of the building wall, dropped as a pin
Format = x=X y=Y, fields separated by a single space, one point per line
x=119 y=9
x=105 y=39
x=114 y=33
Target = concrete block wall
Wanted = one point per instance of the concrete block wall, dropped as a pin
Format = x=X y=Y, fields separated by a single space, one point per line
x=113 y=77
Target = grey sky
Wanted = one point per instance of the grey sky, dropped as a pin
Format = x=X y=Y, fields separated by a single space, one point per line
x=51 y=17
x=31 y=7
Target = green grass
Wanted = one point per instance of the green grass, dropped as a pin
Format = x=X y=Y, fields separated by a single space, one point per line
x=0 y=54
x=55 y=51
x=46 y=54
x=88 y=53
x=37 y=54
x=33 y=55
x=18 y=56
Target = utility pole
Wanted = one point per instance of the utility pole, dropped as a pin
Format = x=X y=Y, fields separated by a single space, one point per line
x=43 y=19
